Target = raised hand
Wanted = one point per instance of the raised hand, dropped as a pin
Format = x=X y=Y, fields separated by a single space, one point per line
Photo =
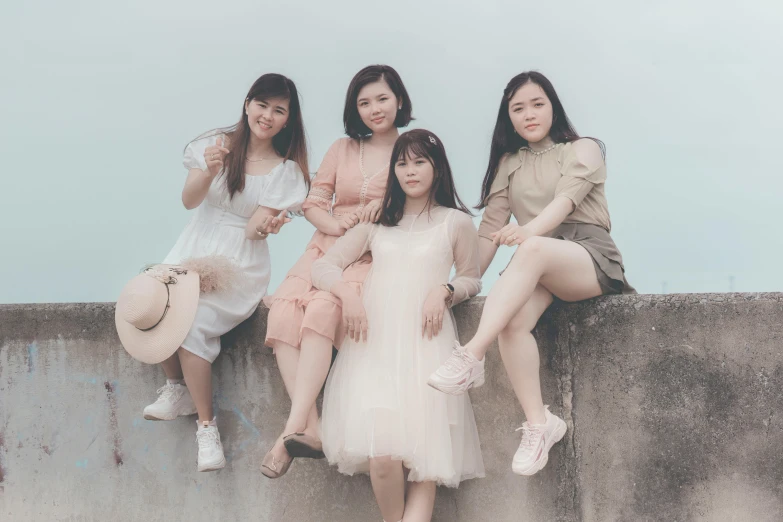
x=214 y=156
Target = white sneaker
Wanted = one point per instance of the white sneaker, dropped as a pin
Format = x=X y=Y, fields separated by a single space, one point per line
x=537 y=439
x=173 y=400
x=210 y=449
x=461 y=372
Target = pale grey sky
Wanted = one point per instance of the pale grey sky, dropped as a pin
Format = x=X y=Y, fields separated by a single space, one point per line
x=98 y=100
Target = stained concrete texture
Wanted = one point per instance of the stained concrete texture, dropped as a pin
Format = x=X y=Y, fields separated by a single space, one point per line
x=672 y=402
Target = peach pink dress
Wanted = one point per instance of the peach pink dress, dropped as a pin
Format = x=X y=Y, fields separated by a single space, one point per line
x=341 y=186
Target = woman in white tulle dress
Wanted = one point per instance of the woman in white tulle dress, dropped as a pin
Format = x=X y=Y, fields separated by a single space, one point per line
x=240 y=182
x=379 y=415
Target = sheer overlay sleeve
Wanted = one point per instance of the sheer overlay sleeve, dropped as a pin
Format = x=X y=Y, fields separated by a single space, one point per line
x=328 y=270
x=464 y=240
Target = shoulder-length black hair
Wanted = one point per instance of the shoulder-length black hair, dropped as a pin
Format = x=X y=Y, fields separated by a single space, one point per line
x=290 y=142
x=505 y=140
x=354 y=126
x=420 y=143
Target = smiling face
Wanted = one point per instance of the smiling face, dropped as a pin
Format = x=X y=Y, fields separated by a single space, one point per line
x=415 y=175
x=267 y=117
x=530 y=111
x=377 y=106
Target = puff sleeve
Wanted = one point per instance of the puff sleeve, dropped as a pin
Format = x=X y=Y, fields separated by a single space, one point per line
x=582 y=167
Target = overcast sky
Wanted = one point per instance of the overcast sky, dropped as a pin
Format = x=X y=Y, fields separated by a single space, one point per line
x=98 y=99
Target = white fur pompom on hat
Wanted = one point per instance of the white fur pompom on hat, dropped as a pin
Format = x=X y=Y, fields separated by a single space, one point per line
x=216 y=273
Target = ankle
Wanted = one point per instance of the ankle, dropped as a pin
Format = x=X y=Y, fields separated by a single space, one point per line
x=294 y=428
x=178 y=380
x=476 y=352
x=538 y=417
x=204 y=423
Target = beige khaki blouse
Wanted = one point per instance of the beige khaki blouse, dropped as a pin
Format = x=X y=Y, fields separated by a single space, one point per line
x=526 y=182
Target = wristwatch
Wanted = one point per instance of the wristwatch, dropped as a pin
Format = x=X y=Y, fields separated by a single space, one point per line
x=450 y=289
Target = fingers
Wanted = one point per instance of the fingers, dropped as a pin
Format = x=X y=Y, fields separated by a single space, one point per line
x=364 y=328
x=375 y=215
x=426 y=325
x=504 y=234
x=349 y=330
x=356 y=328
x=439 y=324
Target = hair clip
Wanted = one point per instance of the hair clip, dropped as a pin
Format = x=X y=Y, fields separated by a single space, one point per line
x=432 y=140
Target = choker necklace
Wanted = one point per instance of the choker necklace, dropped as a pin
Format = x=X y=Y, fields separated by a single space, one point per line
x=538 y=153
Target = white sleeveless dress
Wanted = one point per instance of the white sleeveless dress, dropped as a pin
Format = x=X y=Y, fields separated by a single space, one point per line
x=377 y=402
x=218 y=228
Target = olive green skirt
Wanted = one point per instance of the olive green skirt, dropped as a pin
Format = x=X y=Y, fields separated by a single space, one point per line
x=606 y=257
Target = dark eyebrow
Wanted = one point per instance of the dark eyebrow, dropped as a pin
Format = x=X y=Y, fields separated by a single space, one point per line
x=538 y=98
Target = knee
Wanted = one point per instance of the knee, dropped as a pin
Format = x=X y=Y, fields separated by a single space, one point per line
x=532 y=246
x=520 y=325
x=529 y=251
x=384 y=467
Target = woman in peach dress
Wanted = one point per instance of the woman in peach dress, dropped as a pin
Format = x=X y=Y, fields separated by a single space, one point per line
x=304 y=323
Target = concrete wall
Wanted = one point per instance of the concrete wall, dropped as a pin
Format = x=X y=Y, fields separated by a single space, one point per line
x=673 y=405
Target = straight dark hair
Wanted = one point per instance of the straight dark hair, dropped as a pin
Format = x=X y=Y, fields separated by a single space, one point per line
x=419 y=143
x=354 y=126
x=505 y=139
x=290 y=143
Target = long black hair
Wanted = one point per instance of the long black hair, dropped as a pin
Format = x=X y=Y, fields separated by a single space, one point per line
x=505 y=139
x=289 y=143
x=424 y=144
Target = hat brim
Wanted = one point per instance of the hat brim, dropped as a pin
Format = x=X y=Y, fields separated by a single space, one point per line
x=156 y=345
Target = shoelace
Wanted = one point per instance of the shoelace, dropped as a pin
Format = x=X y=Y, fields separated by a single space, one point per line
x=166 y=391
x=206 y=438
x=531 y=435
x=458 y=361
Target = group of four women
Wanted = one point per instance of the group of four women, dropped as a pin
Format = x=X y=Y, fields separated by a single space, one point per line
x=374 y=280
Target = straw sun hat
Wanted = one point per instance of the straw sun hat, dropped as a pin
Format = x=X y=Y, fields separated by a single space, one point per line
x=156 y=309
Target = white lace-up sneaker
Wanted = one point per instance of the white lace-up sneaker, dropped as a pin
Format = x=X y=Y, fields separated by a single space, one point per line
x=461 y=372
x=210 y=449
x=537 y=440
x=173 y=400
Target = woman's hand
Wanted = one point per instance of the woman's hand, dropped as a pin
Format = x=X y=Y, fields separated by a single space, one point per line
x=511 y=235
x=432 y=312
x=371 y=212
x=354 y=316
x=346 y=222
x=277 y=222
x=272 y=224
x=214 y=156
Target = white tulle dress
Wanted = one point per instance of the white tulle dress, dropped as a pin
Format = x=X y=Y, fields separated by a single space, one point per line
x=377 y=402
x=218 y=228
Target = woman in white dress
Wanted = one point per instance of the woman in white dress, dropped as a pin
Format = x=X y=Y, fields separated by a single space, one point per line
x=241 y=181
x=379 y=415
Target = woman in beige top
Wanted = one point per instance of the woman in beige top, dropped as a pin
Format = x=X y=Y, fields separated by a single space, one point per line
x=552 y=181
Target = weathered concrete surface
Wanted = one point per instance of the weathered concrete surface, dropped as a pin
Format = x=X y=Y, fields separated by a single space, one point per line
x=673 y=404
